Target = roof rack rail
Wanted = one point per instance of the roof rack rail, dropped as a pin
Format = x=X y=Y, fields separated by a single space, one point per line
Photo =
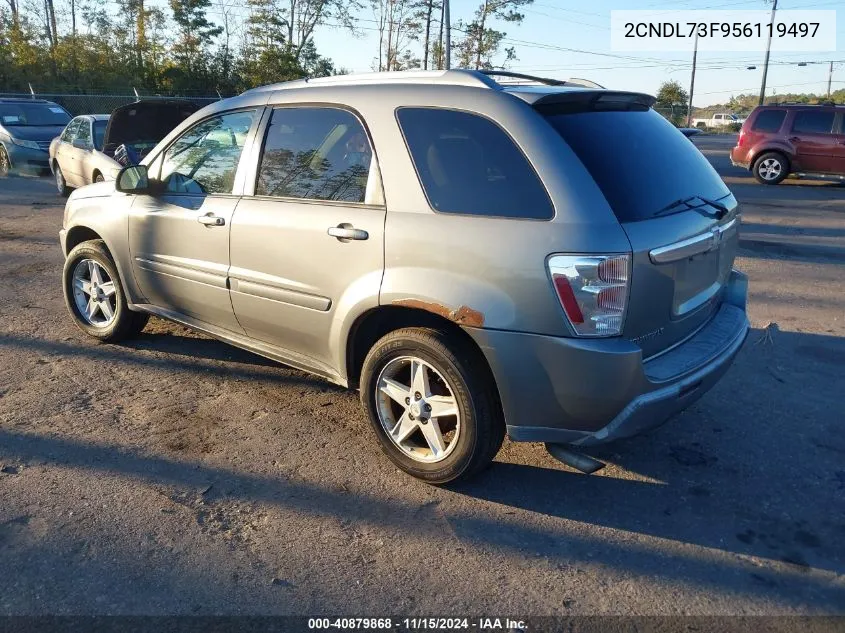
x=456 y=76
x=507 y=73
x=823 y=102
x=548 y=81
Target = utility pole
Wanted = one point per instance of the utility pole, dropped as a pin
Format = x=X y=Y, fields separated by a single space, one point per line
x=768 y=50
x=692 y=82
x=448 y=25
x=829 y=78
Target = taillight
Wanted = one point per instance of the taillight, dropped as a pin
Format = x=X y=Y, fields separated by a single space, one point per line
x=593 y=291
x=741 y=138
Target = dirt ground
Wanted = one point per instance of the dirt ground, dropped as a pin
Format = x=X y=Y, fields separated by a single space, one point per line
x=177 y=475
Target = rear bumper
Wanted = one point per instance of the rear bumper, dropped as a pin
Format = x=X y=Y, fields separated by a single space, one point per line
x=579 y=391
x=739 y=159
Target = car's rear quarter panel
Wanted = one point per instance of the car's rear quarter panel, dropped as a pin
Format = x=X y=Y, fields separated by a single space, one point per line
x=484 y=271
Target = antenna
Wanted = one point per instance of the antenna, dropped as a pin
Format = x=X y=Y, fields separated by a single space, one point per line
x=31 y=91
x=135 y=90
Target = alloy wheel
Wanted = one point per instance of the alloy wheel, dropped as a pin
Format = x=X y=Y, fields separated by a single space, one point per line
x=5 y=166
x=60 y=180
x=94 y=293
x=770 y=169
x=417 y=409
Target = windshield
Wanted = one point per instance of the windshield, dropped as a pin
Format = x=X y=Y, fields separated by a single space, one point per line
x=99 y=133
x=639 y=160
x=32 y=114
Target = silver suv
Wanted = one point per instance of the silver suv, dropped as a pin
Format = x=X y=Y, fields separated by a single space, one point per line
x=549 y=261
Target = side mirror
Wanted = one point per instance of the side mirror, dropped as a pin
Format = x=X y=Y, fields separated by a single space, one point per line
x=133 y=179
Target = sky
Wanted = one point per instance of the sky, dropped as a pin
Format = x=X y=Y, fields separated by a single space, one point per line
x=565 y=38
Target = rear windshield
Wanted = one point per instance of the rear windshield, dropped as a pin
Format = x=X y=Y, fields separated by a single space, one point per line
x=769 y=121
x=639 y=160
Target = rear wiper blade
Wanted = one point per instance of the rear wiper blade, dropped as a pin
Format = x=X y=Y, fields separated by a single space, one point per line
x=672 y=207
x=722 y=209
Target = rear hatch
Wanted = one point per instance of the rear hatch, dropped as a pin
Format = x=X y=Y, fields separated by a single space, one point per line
x=681 y=219
x=143 y=124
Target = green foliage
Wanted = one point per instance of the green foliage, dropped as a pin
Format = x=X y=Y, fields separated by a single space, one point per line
x=671 y=93
x=481 y=43
x=188 y=47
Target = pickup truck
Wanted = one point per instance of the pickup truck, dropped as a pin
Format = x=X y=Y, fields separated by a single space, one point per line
x=720 y=119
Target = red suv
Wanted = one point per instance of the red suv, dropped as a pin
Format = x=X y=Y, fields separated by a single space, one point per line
x=805 y=140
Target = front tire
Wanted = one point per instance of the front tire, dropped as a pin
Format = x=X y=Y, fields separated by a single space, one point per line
x=5 y=163
x=95 y=297
x=433 y=404
x=771 y=168
x=61 y=183
x=98 y=177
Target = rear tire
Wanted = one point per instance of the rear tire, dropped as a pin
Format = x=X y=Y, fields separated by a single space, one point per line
x=98 y=177
x=61 y=183
x=90 y=277
x=771 y=168
x=470 y=429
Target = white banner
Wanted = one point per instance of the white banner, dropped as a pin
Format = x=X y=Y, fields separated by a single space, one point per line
x=791 y=30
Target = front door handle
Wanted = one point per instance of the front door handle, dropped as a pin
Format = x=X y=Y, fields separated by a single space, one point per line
x=344 y=232
x=795 y=139
x=210 y=219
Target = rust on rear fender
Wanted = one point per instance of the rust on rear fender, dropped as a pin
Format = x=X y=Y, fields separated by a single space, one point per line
x=462 y=315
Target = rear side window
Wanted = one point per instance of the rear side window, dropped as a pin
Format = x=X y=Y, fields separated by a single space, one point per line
x=469 y=165
x=315 y=153
x=84 y=132
x=99 y=133
x=639 y=160
x=769 y=121
x=813 y=122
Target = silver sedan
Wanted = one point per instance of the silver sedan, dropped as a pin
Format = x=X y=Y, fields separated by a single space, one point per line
x=76 y=156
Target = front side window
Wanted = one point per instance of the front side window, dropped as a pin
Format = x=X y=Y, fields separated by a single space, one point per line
x=315 y=153
x=813 y=122
x=769 y=121
x=205 y=158
x=469 y=165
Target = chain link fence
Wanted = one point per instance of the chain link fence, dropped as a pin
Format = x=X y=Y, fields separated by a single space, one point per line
x=677 y=115
x=78 y=104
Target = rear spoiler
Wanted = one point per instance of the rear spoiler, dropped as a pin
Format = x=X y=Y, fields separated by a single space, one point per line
x=592 y=100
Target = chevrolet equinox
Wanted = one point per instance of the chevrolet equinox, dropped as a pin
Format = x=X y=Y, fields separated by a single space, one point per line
x=551 y=261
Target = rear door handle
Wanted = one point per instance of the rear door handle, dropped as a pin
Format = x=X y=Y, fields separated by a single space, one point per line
x=211 y=220
x=345 y=232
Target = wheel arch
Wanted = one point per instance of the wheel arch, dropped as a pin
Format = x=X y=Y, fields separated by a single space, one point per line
x=78 y=234
x=83 y=232
x=786 y=152
x=375 y=323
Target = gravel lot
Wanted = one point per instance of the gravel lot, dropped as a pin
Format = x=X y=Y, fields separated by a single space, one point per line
x=177 y=475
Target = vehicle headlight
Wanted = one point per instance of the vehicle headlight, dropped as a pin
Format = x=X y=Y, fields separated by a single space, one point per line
x=23 y=143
